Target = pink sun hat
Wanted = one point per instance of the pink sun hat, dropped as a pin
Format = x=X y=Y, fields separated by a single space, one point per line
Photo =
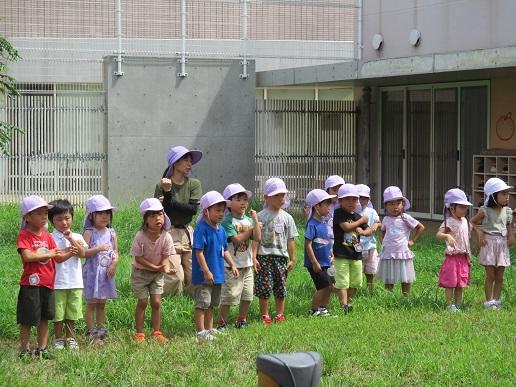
x=394 y=193
x=455 y=196
x=96 y=203
x=234 y=189
x=153 y=204
x=315 y=197
x=177 y=152
x=29 y=204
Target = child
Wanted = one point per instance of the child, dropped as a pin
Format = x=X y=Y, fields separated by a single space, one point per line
x=368 y=243
x=318 y=247
x=276 y=251
x=493 y=224
x=240 y=229
x=38 y=251
x=331 y=186
x=454 y=274
x=68 y=282
x=348 y=226
x=210 y=252
x=396 y=259
x=98 y=271
x=152 y=247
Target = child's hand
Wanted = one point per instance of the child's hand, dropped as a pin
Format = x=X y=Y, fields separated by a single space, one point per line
x=253 y=214
x=111 y=270
x=364 y=219
x=73 y=250
x=57 y=253
x=410 y=243
x=208 y=278
x=291 y=264
x=166 y=184
x=234 y=271
x=103 y=247
x=482 y=239
x=256 y=265
x=451 y=240
x=316 y=267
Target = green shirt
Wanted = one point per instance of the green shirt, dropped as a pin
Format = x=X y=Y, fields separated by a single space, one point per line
x=189 y=192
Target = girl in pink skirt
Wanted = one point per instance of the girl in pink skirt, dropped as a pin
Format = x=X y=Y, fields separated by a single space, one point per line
x=396 y=259
x=455 y=270
x=493 y=224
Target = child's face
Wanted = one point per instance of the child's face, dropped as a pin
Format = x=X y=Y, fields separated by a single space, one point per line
x=364 y=201
x=459 y=210
x=276 y=202
x=63 y=222
x=238 y=204
x=155 y=221
x=394 y=207
x=502 y=198
x=348 y=203
x=101 y=219
x=323 y=208
x=37 y=219
x=215 y=213
x=334 y=191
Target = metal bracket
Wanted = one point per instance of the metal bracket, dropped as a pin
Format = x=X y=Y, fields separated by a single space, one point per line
x=244 y=64
x=183 y=61
x=119 y=60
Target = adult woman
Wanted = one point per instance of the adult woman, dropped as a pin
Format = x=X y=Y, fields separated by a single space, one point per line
x=180 y=195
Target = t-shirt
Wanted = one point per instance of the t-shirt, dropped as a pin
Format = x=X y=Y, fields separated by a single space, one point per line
x=328 y=219
x=189 y=192
x=494 y=222
x=278 y=228
x=213 y=242
x=346 y=243
x=459 y=230
x=151 y=251
x=40 y=273
x=242 y=253
x=317 y=232
x=397 y=232
x=369 y=242
x=69 y=272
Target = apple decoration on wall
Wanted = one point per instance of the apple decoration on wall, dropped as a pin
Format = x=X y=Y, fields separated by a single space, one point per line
x=505 y=127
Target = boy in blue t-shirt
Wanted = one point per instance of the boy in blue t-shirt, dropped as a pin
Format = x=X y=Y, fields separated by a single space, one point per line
x=318 y=250
x=210 y=250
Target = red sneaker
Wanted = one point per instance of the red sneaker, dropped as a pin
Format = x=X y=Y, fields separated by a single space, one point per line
x=279 y=318
x=266 y=319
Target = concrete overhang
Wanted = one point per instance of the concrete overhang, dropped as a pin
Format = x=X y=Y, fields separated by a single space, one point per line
x=444 y=67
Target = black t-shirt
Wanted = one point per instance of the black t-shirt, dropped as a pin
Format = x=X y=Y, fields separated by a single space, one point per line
x=345 y=242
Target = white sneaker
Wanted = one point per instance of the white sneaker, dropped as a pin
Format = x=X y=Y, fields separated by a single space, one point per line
x=491 y=305
x=498 y=304
x=452 y=308
x=72 y=344
x=215 y=332
x=323 y=312
x=59 y=344
x=205 y=335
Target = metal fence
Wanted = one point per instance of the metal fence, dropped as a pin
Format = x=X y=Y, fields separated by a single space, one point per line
x=304 y=142
x=61 y=153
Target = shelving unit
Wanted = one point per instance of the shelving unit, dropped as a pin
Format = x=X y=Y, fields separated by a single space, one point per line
x=487 y=166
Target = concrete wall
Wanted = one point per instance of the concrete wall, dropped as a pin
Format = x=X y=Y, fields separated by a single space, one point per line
x=150 y=109
x=445 y=26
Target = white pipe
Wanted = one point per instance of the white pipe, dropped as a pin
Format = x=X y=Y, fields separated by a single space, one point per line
x=244 y=74
x=182 y=61
x=119 y=71
x=359 y=30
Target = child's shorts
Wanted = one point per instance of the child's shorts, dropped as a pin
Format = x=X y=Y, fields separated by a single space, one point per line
x=272 y=277
x=370 y=261
x=35 y=303
x=322 y=280
x=207 y=296
x=348 y=273
x=234 y=290
x=454 y=272
x=393 y=271
x=495 y=252
x=145 y=282
x=68 y=304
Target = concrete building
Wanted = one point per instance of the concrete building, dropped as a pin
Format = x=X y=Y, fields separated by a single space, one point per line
x=436 y=85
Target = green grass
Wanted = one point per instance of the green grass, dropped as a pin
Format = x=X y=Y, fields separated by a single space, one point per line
x=387 y=340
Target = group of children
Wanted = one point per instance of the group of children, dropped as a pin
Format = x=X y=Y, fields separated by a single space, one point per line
x=238 y=256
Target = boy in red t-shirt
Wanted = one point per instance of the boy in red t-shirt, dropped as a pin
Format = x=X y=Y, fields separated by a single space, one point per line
x=36 y=297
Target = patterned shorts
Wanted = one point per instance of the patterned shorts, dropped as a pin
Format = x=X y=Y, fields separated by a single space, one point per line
x=272 y=277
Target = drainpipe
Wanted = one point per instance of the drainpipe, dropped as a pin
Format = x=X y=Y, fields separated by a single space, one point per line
x=244 y=62
x=119 y=59
x=182 y=73
x=359 y=29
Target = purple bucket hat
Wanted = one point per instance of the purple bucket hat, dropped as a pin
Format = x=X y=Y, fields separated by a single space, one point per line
x=29 y=204
x=177 y=152
x=315 y=197
x=394 y=193
x=210 y=198
x=274 y=186
x=333 y=181
x=96 y=203
x=153 y=204
x=347 y=190
x=455 y=196
x=234 y=189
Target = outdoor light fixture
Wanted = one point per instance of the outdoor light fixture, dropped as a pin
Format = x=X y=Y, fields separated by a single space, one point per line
x=414 y=37
x=377 y=41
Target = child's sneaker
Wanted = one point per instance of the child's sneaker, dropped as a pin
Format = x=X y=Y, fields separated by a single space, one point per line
x=266 y=319
x=323 y=312
x=490 y=305
x=205 y=335
x=159 y=337
x=25 y=354
x=498 y=304
x=216 y=332
x=58 y=344
x=72 y=344
x=139 y=337
x=241 y=324
x=314 y=312
x=43 y=354
x=93 y=337
x=346 y=308
x=452 y=308
x=222 y=326
x=279 y=318
x=102 y=333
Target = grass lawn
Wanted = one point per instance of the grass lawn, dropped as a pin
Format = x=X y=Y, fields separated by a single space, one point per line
x=386 y=340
